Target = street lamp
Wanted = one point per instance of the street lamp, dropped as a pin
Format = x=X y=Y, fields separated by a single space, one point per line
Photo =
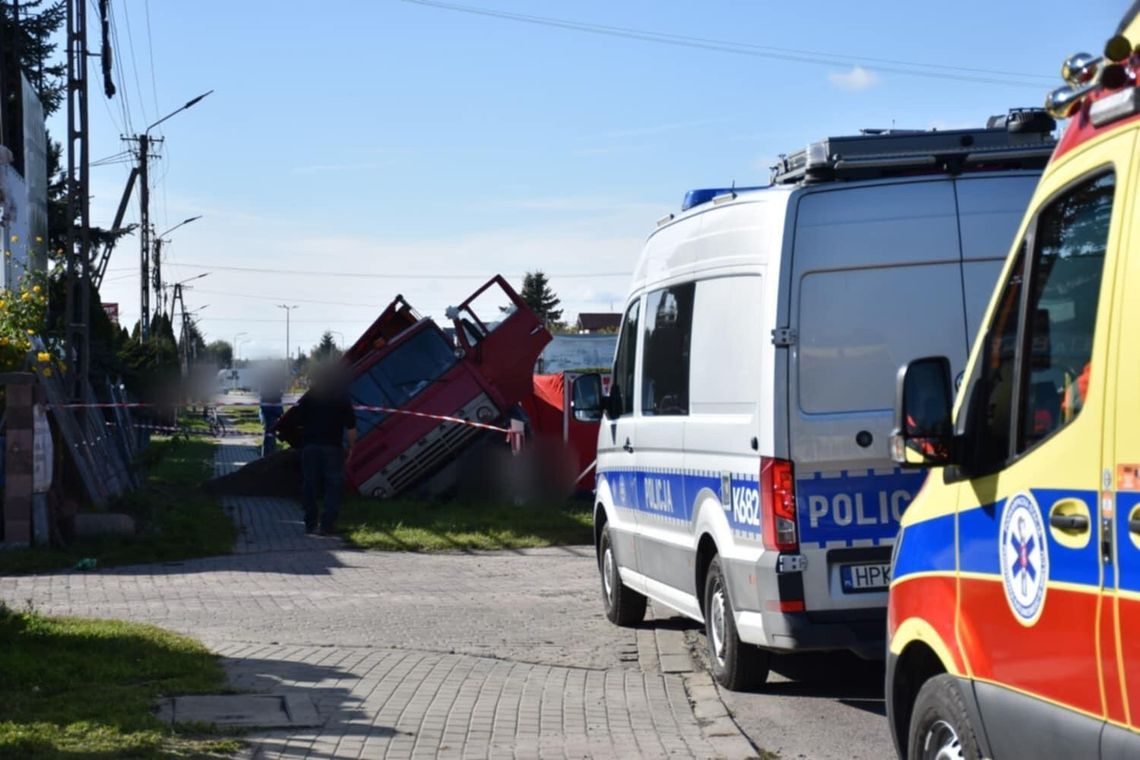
x=338 y=332
x=172 y=229
x=288 y=357
x=144 y=211
x=233 y=356
x=158 y=241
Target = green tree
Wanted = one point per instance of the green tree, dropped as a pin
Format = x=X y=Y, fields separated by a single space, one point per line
x=326 y=349
x=541 y=299
x=219 y=352
x=29 y=32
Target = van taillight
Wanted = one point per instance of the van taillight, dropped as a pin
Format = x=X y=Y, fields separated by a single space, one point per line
x=778 y=504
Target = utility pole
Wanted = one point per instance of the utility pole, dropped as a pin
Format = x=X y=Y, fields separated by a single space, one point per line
x=78 y=253
x=144 y=235
x=144 y=144
x=288 y=357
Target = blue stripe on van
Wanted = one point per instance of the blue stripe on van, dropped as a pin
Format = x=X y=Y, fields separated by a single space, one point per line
x=670 y=496
x=851 y=506
x=845 y=508
x=927 y=547
x=978 y=531
x=1127 y=546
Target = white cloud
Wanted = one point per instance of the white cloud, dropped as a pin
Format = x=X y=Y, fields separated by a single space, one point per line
x=856 y=79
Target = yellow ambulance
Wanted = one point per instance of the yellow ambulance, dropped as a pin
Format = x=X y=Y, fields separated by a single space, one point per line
x=1014 y=614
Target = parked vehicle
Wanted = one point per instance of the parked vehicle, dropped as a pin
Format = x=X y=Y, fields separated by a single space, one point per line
x=1014 y=617
x=744 y=478
x=406 y=373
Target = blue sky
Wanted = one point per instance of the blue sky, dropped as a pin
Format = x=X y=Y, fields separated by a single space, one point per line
x=394 y=138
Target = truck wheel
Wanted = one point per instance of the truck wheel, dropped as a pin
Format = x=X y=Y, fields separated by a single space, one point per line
x=940 y=727
x=735 y=665
x=624 y=606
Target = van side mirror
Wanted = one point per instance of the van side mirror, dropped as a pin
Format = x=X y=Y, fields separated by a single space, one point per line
x=923 y=434
x=586 y=397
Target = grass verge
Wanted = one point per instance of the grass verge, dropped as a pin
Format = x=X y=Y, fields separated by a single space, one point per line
x=175 y=520
x=245 y=420
x=71 y=687
x=452 y=526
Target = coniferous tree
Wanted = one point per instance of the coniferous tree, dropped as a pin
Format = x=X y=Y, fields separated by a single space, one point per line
x=541 y=299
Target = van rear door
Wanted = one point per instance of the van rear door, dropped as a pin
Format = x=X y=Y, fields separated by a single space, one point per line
x=876 y=282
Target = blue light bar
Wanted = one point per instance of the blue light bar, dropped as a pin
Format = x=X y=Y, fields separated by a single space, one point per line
x=704 y=195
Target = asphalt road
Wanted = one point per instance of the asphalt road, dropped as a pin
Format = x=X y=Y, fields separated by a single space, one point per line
x=817 y=706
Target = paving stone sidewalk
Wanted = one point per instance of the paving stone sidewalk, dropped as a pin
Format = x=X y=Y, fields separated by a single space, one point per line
x=406 y=655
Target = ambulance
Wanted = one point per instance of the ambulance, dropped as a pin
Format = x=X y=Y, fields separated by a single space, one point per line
x=1014 y=613
x=743 y=469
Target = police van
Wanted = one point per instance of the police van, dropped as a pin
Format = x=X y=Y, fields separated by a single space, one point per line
x=744 y=478
x=1014 y=618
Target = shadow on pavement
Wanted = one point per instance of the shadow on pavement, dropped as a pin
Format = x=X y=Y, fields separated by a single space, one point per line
x=340 y=712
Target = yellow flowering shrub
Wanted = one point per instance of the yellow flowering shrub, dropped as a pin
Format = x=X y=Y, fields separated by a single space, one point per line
x=22 y=316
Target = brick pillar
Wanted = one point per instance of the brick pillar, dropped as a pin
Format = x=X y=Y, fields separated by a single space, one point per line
x=20 y=390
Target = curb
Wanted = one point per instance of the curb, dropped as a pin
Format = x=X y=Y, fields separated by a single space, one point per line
x=665 y=650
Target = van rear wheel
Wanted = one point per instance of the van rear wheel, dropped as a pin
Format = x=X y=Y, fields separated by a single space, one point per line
x=624 y=606
x=940 y=727
x=735 y=665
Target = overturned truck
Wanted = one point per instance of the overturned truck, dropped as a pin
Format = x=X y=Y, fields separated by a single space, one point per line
x=408 y=373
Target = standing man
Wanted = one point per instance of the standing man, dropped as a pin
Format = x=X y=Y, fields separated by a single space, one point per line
x=327 y=421
x=271 y=409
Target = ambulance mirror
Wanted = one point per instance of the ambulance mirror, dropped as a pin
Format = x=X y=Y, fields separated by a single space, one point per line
x=586 y=397
x=923 y=430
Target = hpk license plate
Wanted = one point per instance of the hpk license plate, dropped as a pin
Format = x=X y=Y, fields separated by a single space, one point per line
x=859 y=578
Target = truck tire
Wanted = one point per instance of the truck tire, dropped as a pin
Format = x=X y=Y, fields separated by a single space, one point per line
x=735 y=665
x=940 y=725
x=624 y=606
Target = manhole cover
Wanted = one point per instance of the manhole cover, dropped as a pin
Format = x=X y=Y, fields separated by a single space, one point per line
x=251 y=710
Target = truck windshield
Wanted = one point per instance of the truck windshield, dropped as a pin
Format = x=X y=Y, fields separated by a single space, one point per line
x=399 y=376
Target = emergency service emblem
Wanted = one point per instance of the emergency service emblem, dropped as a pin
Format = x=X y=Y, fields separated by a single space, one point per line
x=1024 y=558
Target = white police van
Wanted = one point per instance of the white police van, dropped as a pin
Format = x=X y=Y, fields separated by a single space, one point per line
x=744 y=478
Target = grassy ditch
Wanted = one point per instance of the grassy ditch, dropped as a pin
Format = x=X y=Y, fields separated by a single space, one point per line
x=453 y=526
x=175 y=520
x=71 y=687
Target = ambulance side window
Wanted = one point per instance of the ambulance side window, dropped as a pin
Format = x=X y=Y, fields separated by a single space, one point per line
x=665 y=358
x=625 y=361
x=1068 y=263
x=1037 y=351
x=994 y=403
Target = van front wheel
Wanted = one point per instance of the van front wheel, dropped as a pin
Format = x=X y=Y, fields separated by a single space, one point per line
x=624 y=606
x=940 y=725
x=735 y=665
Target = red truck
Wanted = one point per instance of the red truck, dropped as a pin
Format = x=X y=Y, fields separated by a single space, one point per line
x=406 y=362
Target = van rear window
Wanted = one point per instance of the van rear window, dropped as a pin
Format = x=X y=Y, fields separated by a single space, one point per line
x=857 y=327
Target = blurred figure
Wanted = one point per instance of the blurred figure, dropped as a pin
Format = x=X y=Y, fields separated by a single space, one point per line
x=327 y=422
x=271 y=388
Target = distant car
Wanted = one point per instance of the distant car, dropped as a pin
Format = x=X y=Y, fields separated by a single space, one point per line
x=1014 y=618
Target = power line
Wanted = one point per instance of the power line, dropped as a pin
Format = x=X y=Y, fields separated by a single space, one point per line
x=812 y=57
x=378 y=276
x=281 y=298
x=117 y=61
x=134 y=61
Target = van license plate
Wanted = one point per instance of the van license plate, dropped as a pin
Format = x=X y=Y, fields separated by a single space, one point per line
x=859 y=578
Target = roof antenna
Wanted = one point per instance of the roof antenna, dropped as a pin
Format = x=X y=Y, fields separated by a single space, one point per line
x=733 y=189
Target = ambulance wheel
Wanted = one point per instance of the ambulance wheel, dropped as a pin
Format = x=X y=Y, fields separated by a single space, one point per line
x=624 y=606
x=735 y=665
x=940 y=727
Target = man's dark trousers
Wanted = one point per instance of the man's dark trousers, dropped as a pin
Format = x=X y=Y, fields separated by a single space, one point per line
x=322 y=466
